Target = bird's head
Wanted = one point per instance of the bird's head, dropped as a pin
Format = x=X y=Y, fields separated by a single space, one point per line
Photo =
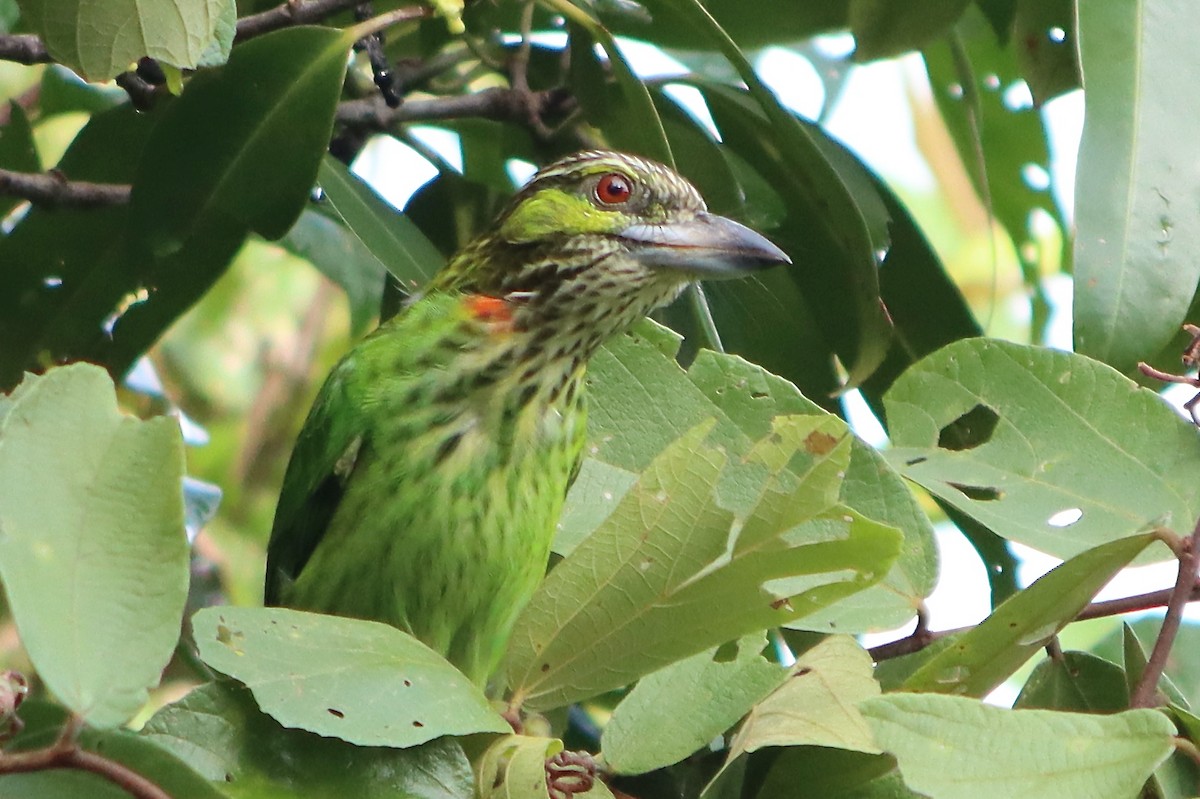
x=600 y=231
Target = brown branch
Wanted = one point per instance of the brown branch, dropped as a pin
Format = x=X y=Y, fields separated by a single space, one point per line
x=66 y=753
x=54 y=190
x=293 y=13
x=920 y=638
x=24 y=48
x=1145 y=692
x=503 y=105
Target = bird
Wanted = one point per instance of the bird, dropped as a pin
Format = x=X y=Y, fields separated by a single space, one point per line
x=426 y=483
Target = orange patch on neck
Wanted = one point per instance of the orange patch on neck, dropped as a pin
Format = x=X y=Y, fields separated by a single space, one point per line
x=490 y=310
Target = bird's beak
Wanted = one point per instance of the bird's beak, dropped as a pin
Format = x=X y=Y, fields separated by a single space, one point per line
x=706 y=245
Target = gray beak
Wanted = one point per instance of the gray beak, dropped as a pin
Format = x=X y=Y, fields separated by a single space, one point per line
x=707 y=245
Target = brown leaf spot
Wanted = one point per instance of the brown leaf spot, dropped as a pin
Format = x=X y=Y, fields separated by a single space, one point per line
x=818 y=443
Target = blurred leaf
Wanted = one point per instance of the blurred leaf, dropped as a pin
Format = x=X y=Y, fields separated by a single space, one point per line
x=1049 y=61
x=340 y=255
x=44 y=723
x=816 y=705
x=1076 y=681
x=93 y=556
x=708 y=693
x=390 y=236
x=1034 y=444
x=1000 y=137
x=883 y=28
x=624 y=111
x=218 y=731
x=986 y=655
x=18 y=151
x=832 y=234
x=661 y=578
x=9 y=14
x=814 y=772
x=957 y=748
x=63 y=92
x=1000 y=15
x=1137 y=227
x=629 y=424
x=254 y=132
x=59 y=290
x=101 y=40
x=771 y=22
x=361 y=681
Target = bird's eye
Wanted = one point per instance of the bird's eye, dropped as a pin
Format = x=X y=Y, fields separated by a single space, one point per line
x=614 y=189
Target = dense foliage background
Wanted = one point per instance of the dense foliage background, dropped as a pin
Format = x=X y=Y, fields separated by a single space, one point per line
x=176 y=208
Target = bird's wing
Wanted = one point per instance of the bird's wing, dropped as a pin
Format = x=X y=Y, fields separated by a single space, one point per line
x=321 y=464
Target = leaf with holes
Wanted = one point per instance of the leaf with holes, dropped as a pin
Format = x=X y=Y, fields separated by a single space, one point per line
x=361 y=681
x=1036 y=445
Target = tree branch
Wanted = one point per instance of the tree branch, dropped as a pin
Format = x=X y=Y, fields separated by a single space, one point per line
x=24 y=48
x=66 y=753
x=503 y=105
x=921 y=638
x=1146 y=691
x=52 y=189
x=291 y=13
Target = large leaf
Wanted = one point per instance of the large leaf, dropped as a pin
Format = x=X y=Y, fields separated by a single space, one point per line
x=983 y=657
x=629 y=425
x=950 y=747
x=672 y=571
x=218 y=731
x=815 y=772
x=101 y=40
x=707 y=692
x=1076 y=681
x=883 y=29
x=361 y=681
x=93 y=556
x=1036 y=444
x=18 y=151
x=1137 y=225
x=242 y=145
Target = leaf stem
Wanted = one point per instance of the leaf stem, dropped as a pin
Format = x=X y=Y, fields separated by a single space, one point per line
x=709 y=335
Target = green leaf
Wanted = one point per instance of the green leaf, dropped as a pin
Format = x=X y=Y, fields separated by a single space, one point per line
x=1136 y=228
x=773 y=21
x=956 y=748
x=93 y=558
x=217 y=730
x=1049 y=62
x=816 y=705
x=835 y=223
x=399 y=245
x=662 y=578
x=253 y=133
x=43 y=724
x=1182 y=671
x=629 y=425
x=340 y=255
x=983 y=657
x=361 y=681
x=1035 y=444
x=18 y=151
x=707 y=694
x=101 y=40
x=813 y=772
x=883 y=29
x=1077 y=681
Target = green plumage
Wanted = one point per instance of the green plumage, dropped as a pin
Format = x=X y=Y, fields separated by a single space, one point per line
x=426 y=484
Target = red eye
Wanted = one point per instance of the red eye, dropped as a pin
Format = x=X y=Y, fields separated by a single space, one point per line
x=614 y=189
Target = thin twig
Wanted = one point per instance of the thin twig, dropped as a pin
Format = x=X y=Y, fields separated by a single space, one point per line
x=53 y=190
x=66 y=753
x=921 y=638
x=291 y=13
x=1145 y=693
x=499 y=104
